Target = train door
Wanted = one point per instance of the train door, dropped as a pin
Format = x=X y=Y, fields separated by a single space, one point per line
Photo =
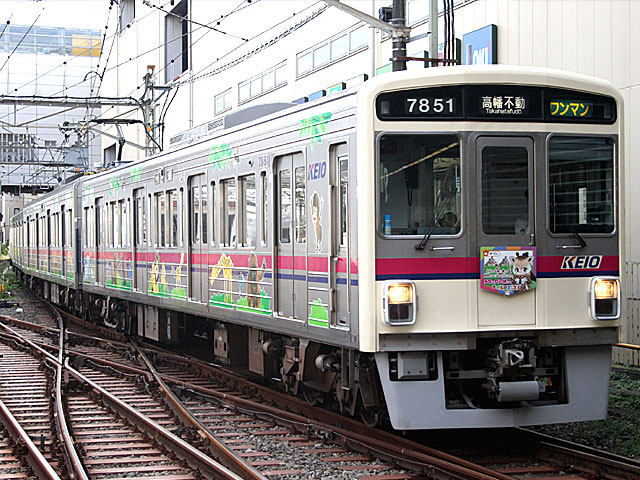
x=339 y=255
x=291 y=251
x=198 y=254
x=139 y=240
x=505 y=233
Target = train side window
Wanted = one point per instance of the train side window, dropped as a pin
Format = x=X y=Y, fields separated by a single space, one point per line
x=205 y=211
x=110 y=224
x=248 y=202
x=69 y=229
x=228 y=199
x=98 y=223
x=47 y=239
x=118 y=220
x=173 y=218
x=301 y=205
x=161 y=213
x=195 y=220
x=343 y=171
x=285 y=206
x=181 y=216
x=124 y=222
x=265 y=209
x=213 y=212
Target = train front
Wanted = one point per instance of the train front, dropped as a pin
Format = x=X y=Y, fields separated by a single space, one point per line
x=491 y=260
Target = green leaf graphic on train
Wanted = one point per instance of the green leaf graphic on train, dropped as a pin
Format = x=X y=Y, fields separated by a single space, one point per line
x=221 y=156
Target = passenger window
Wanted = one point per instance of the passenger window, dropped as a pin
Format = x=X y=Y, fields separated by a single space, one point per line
x=195 y=221
x=213 y=213
x=265 y=196
x=124 y=222
x=161 y=212
x=204 y=210
x=173 y=215
x=301 y=206
x=344 y=188
x=285 y=206
x=248 y=192
x=228 y=197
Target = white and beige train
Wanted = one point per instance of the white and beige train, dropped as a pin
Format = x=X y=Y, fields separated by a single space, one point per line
x=443 y=246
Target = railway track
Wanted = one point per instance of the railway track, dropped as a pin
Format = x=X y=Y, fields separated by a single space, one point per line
x=241 y=417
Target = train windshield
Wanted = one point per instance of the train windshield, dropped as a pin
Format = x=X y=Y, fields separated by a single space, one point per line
x=419 y=184
x=581 y=184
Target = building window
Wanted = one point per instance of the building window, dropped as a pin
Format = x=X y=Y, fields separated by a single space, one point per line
x=176 y=36
x=333 y=49
x=127 y=13
x=222 y=102
x=263 y=83
x=110 y=155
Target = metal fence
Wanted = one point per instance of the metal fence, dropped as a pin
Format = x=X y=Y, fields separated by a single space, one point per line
x=630 y=325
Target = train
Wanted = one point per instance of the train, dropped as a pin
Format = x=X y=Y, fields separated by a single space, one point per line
x=438 y=249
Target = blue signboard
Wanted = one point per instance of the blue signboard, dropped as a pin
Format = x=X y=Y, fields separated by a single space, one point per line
x=480 y=47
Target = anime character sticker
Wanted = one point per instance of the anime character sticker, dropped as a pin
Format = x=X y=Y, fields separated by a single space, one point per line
x=508 y=270
x=316 y=218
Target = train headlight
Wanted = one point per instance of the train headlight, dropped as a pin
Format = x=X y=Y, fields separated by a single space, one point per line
x=605 y=298
x=399 y=302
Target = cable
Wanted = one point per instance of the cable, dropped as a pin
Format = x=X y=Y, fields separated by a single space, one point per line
x=197 y=76
x=185 y=19
x=6 y=25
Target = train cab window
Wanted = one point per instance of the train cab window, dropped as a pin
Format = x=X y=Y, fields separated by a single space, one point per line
x=581 y=185
x=228 y=198
x=285 y=206
x=301 y=205
x=173 y=216
x=418 y=184
x=265 y=209
x=248 y=202
x=505 y=190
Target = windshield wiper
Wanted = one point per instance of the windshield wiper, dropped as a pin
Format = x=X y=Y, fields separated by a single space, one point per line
x=572 y=230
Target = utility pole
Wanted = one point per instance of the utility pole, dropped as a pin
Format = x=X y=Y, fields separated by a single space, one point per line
x=399 y=43
x=397 y=29
x=433 y=30
x=149 y=111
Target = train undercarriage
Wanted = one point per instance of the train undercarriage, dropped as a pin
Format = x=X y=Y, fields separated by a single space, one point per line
x=495 y=374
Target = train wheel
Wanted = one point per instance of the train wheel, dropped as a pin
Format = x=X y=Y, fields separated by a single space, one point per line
x=312 y=397
x=370 y=417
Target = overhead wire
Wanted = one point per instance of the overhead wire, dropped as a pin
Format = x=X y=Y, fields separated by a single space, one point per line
x=6 y=25
x=199 y=76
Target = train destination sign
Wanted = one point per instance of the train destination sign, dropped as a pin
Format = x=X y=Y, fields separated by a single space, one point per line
x=492 y=102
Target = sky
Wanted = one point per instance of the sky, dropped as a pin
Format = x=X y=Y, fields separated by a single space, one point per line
x=90 y=14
